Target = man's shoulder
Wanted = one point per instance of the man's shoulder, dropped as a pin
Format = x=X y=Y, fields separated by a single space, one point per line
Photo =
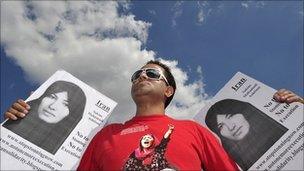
x=186 y=122
x=191 y=124
x=113 y=126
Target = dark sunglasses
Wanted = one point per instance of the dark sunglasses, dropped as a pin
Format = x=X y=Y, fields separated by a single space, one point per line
x=152 y=73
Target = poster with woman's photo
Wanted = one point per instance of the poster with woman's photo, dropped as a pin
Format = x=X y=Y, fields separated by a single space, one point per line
x=257 y=132
x=65 y=114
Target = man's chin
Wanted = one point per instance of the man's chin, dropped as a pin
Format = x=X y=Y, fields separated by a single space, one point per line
x=142 y=90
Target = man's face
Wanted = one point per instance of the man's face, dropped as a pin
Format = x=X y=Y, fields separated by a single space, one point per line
x=144 y=86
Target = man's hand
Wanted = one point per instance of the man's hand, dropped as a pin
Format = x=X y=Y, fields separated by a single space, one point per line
x=18 y=109
x=286 y=96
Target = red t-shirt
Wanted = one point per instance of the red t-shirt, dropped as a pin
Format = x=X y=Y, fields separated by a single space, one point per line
x=189 y=147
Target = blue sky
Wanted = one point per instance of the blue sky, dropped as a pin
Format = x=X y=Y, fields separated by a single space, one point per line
x=204 y=42
x=264 y=42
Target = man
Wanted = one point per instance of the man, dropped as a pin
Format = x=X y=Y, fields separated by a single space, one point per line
x=185 y=146
x=189 y=147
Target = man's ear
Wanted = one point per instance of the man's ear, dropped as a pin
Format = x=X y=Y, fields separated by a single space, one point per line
x=169 y=91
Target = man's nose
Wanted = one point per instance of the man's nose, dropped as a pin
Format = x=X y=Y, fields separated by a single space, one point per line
x=143 y=76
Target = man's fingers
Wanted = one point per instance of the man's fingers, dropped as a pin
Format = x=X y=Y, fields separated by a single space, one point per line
x=24 y=104
x=19 y=108
x=294 y=99
x=10 y=116
x=16 y=113
x=285 y=93
x=288 y=96
x=276 y=96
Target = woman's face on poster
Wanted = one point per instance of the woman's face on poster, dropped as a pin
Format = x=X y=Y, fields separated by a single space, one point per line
x=147 y=141
x=54 y=108
x=233 y=127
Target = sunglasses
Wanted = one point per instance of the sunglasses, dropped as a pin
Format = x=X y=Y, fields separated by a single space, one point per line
x=152 y=73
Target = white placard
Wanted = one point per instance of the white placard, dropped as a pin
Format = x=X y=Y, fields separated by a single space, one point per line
x=65 y=114
x=258 y=132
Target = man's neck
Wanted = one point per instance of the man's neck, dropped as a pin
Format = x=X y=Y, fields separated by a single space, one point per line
x=149 y=109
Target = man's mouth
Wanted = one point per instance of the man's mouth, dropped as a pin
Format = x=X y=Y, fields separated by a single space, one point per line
x=144 y=82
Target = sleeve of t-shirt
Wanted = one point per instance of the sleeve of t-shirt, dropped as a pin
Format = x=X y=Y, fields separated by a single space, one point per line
x=214 y=157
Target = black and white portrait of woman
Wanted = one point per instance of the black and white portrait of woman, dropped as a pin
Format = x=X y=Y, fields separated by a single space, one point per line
x=246 y=132
x=52 y=116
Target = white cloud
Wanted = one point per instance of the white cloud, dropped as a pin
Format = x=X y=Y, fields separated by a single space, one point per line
x=202 y=6
x=189 y=98
x=253 y=4
x=200 y=16
x=153 y=12
x=177 y=12
x=199 y=70
x=244 y=4
x=94 y=42
x=126 y=5
x=260 y=4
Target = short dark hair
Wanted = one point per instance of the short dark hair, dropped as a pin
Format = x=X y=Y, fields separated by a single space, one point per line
x=168 y=76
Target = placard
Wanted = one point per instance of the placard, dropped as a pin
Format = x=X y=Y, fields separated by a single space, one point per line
x=258 y=132
x=65 y=114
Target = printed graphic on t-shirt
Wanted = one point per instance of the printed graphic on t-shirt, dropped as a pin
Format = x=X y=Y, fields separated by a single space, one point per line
x=150 y=155
x=140 y=128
